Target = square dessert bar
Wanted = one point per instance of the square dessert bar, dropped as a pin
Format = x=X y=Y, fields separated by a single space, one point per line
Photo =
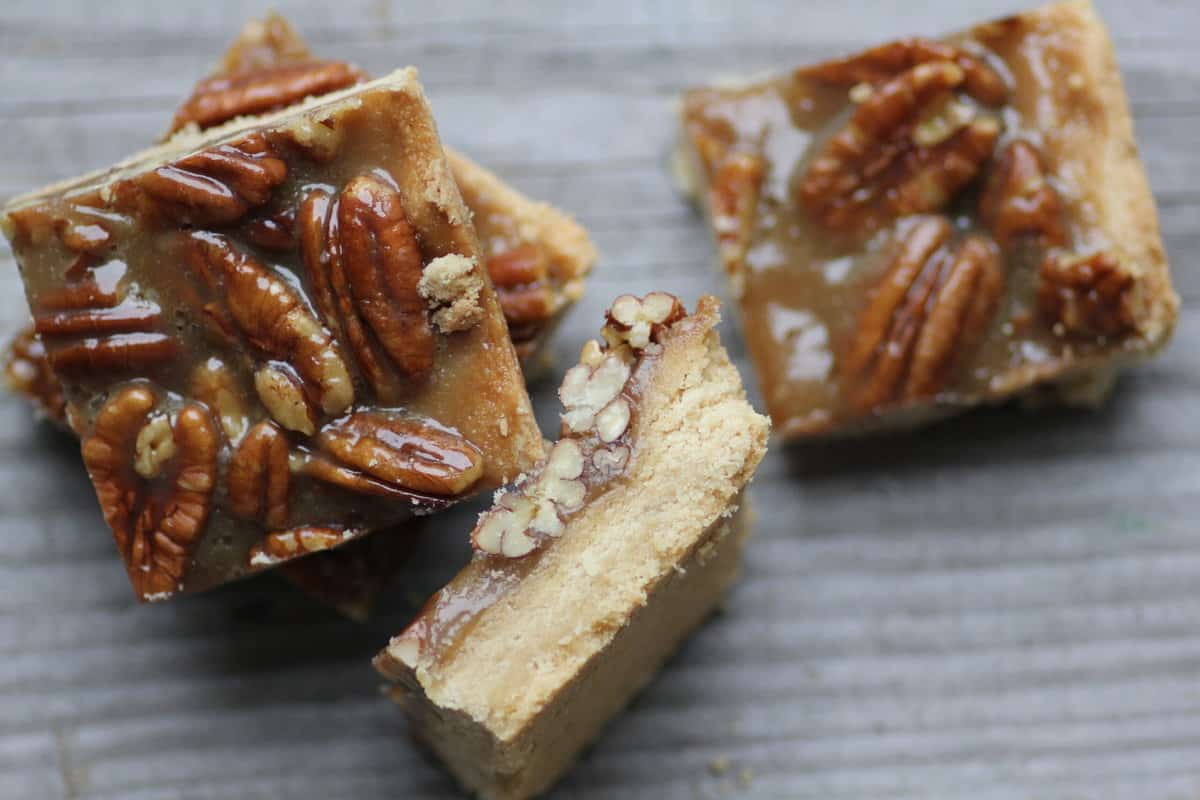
x=934 y=224
x=274 y=336
x=589 y=572
x=537 y=256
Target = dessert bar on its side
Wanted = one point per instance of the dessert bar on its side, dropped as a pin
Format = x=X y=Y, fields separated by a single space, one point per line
x=589 y=571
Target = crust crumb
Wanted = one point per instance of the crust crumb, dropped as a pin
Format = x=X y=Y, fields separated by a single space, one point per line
x=451 y=285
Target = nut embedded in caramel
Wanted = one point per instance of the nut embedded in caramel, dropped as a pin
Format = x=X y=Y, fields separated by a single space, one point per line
x=244 y=347
x=1049 y=270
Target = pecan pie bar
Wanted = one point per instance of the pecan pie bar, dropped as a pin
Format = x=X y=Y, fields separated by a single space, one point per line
x=537 y=255
x=934 y=224
x=589 y=572
x=266 y=334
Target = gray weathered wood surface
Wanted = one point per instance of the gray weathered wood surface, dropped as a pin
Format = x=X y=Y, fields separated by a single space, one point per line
x=1002 y=606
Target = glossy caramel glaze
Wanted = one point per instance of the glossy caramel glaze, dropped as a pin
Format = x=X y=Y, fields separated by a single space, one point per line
x=804 y=286
x=139 y=279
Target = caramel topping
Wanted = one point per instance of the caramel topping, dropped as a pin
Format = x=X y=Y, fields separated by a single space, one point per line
x=821 y=180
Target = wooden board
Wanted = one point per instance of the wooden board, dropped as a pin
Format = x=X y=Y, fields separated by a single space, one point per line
x=1002 y=606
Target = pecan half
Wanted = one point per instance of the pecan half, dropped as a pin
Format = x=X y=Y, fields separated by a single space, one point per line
x=121 y=352
x=330 y=286
x=885 y=163
x=259 y=476
x=1018 y=201
x=213 y=187
x=1091 y=295
x=261 y=89
x=283 y=394
x=520 y=276
x=130 y=315
x=404 y=451
x=382 y=262
x=927 y=314
x=273 y=318
x=324 y=469
x=157 y=521
x=80 y=292
x=28 y=373
x=88 y=326
x=880 y=64
x=275 y=232
x=284 y=545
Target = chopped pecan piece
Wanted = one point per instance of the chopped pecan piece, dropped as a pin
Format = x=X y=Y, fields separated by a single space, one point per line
x=28 y=373
x=598 y=404
x=259 y=476
x=213 y=187
x=522 y=518
x=881 y=64
x=640 y=322
x=876 y=168
x=271 y=316
x=929 y=311
x=1018 y=201
x=586 y=391
x=404 y=451
x=285 y=545
x=1090 y=295
x=156 y=521
x=382 y=263
x=260 y=89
